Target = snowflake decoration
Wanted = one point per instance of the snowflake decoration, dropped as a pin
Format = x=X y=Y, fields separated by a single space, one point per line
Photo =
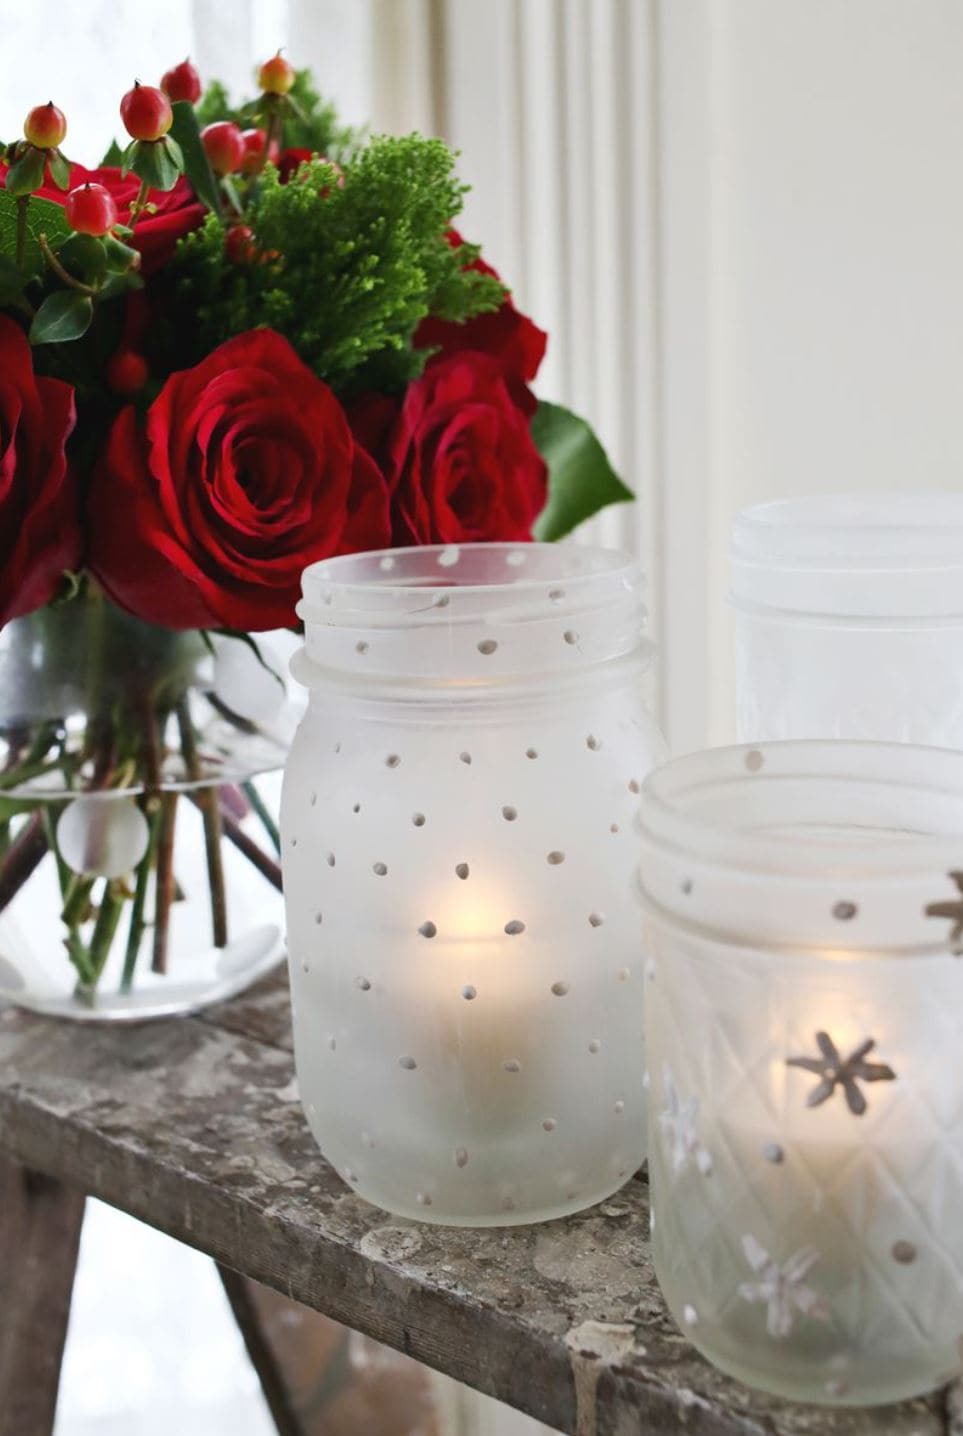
x=782 y=1288
x=836 y=1071
x=953 y=911
x=678 y=1122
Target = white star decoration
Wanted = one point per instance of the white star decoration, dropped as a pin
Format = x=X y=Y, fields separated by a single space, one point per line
x=782 y=1288
x=678 y=1122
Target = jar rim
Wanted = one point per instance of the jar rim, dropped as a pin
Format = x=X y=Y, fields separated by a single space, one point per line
x=872 y=530
x=395 y=572
x=680 y=803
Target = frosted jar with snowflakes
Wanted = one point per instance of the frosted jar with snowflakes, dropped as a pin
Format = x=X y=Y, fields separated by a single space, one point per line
x=458 y=852
x=849 y=618
x=804 y=1016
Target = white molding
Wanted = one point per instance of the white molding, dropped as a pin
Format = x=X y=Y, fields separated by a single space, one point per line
x=686 y=219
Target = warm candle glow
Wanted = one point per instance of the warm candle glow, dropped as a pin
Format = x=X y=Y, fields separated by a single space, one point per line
x=458 y=860
x=806 y=1172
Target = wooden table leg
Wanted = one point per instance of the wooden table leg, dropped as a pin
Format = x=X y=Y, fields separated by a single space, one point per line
x=40 y=1222
x=319 y=1379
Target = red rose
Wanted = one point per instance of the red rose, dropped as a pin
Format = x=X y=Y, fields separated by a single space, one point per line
x=505 y=334
x=155 y=235
x=247 y=472
x=290 y=161
x=460 y=459
x=39 y=522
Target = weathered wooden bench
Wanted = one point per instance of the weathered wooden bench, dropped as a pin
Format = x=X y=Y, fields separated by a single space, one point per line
x=193 y=1126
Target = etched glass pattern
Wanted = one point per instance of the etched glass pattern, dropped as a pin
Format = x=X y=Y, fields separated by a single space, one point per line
x=804 y=1015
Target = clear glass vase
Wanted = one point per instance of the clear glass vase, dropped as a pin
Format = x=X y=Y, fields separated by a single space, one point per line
x=138 y=857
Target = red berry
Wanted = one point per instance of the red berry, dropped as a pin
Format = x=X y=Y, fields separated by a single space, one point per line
x=146 y=112
x=276 y=76
x=224 y=146
x=45 y=126
x=182 y=83
x=255 y=145
x=127 y=372
x=239 y=244
x=90 y=209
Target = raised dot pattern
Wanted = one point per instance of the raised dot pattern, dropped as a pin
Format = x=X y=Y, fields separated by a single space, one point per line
x=560 y=988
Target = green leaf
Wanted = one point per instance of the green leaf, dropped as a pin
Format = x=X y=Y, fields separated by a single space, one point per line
x=127 y=158
x=59 y=169
x=62 y=316
x=26 y=173
x=580 y=478
x=185 y=131
x=298 y=111
x=84 y=256
x=114 y=155
x=120 y=257
x=11 y=280
x=230 y=189
x=118 y=283
x=155 y=162
x=43 y=217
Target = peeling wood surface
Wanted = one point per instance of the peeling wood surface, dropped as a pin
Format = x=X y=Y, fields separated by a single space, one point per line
x=194 y=1126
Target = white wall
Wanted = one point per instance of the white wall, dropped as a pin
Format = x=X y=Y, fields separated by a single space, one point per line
x=837 y=248
x=742 y=221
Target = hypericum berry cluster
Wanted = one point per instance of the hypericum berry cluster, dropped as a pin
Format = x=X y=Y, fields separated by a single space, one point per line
x=225 y=147
x=153 y=155
x=276 y=76
x=91 y=209
x=38 y=153
x=182 y=82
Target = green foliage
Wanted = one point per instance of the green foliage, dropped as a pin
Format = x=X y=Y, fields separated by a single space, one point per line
x=43 y=217
x=159 y=163
x=580 y=478
x=26 y=171
x=346 y=274
x=63 y=315
x=186 y=133
x=310 y=123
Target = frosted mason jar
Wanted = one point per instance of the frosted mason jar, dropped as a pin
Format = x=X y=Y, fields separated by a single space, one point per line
x=804 y=1014
x=459 y=853
x=849 y=618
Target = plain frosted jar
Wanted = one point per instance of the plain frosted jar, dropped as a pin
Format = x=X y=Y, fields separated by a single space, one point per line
x=459 y=855
x=849 y=618
x=804 y=1012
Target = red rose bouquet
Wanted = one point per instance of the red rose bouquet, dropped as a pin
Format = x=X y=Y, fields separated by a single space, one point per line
x=248 y=340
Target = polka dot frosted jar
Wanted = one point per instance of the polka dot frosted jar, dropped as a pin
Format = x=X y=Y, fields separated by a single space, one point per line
x=849 y=618
x=804 y=1014
x=458 y=853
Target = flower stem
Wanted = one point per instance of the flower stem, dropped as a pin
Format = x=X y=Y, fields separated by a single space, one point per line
x=165 y=880
x=108 y=915
x=275 y=129
x=64 y=874
x=77 y=900
x=206 y=800
x=135 y=933
x=23 y=857
x=139 y=203
x=235 y=834
x=260 y=807
x=62 y=274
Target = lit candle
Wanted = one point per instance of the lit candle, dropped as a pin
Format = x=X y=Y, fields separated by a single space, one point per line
x=458 y=853
x=803 y=1020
